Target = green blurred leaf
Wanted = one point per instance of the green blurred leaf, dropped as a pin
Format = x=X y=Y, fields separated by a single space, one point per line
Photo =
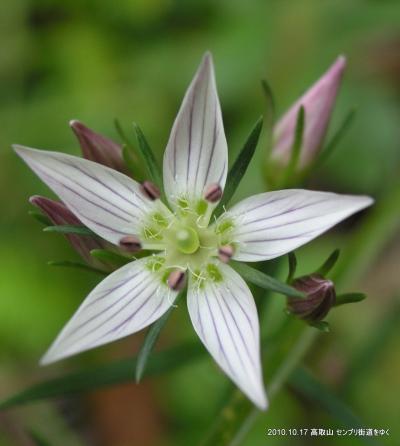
x=129 y=152
x=240 y=166
x=262 y=280
x=70 y=229
x=116 y=372
x=41 y=218
x=107 y=256
x=349 y=298
x=79 y=265
x=329 y=263
x=306 y=384
x=148 y=157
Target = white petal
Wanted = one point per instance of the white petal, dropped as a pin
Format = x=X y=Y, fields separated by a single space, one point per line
x=224 y=316
x=126 y=301
x=271 y=224
x=196 y=155
x=105 y=200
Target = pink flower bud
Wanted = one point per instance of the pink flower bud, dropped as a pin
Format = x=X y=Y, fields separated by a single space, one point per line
x=98 y=148
x=318 y=103
x=59 y=214
x=320 y=297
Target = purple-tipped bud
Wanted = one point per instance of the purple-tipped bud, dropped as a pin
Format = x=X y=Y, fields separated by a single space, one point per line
x=98 y=148
x=225 y=253
x=151 y=191
x=318 y=103
x=321 y=296
x=59 y=214
x=213 y=193
x=176 y=280
x=130 y=243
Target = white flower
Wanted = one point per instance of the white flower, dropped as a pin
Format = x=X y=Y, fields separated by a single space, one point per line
x=182 y=239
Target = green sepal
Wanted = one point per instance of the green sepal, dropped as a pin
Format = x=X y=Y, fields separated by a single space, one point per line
x=240 y=166
x=289 y=175
x=292 y=267
x=262 y=280
x=349 y=298
x=104 y=255
x=70 y=229
x=148 y=157
x=329 y=263
x=41 y=218
x=321 y=326
x=79 y=265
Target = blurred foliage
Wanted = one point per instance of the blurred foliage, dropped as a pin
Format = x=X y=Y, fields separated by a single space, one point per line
x=96 y=60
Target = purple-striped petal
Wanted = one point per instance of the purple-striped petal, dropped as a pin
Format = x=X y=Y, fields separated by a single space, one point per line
x=126 y=301
x=224 y=316
x=271 y=224
x=196 y=155
x=106 y=201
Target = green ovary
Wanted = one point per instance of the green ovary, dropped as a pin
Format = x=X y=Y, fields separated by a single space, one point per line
x=187 y=240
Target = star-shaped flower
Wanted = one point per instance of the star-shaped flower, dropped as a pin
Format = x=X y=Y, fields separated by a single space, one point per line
x=186 y=244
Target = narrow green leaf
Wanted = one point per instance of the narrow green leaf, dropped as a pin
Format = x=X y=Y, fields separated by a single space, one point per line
x=321 y=326
x=70 y=229
x=129 y=159
x=129 y=152
x=292 y=267
x=262 y=280
x=290 y=171
x=148 y=344
x=240 y=165
x=349 y=298
x=79 y=265
x=43 y=219
x=104 y=375
x=148 y=157
x=336 y=138
x=107 y=256
x=329 y=263
x=306 y=384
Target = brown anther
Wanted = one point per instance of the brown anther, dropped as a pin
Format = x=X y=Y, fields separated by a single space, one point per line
x=130 y=243
x=225 y=253
x=176 y=280
x=213 y=193
x=150 y=190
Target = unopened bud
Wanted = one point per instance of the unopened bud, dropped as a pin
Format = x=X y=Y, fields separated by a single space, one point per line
x=213 y=193
x=59 y=214
x=130 y=243
x=176 y=280
x=150 y=190
x=318 y=102
x=225 y=253
x=98 y=148
x=320 y=297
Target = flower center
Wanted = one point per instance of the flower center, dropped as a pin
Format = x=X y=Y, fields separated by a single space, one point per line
x=187 y=240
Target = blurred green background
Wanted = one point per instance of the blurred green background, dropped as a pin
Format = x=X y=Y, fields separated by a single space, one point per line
x=132 y=60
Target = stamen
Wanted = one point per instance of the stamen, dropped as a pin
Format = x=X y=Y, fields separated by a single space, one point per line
x=150 y=190
x=213 y=193
x=130 y=243
x=176 y=280
x=225 y=253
